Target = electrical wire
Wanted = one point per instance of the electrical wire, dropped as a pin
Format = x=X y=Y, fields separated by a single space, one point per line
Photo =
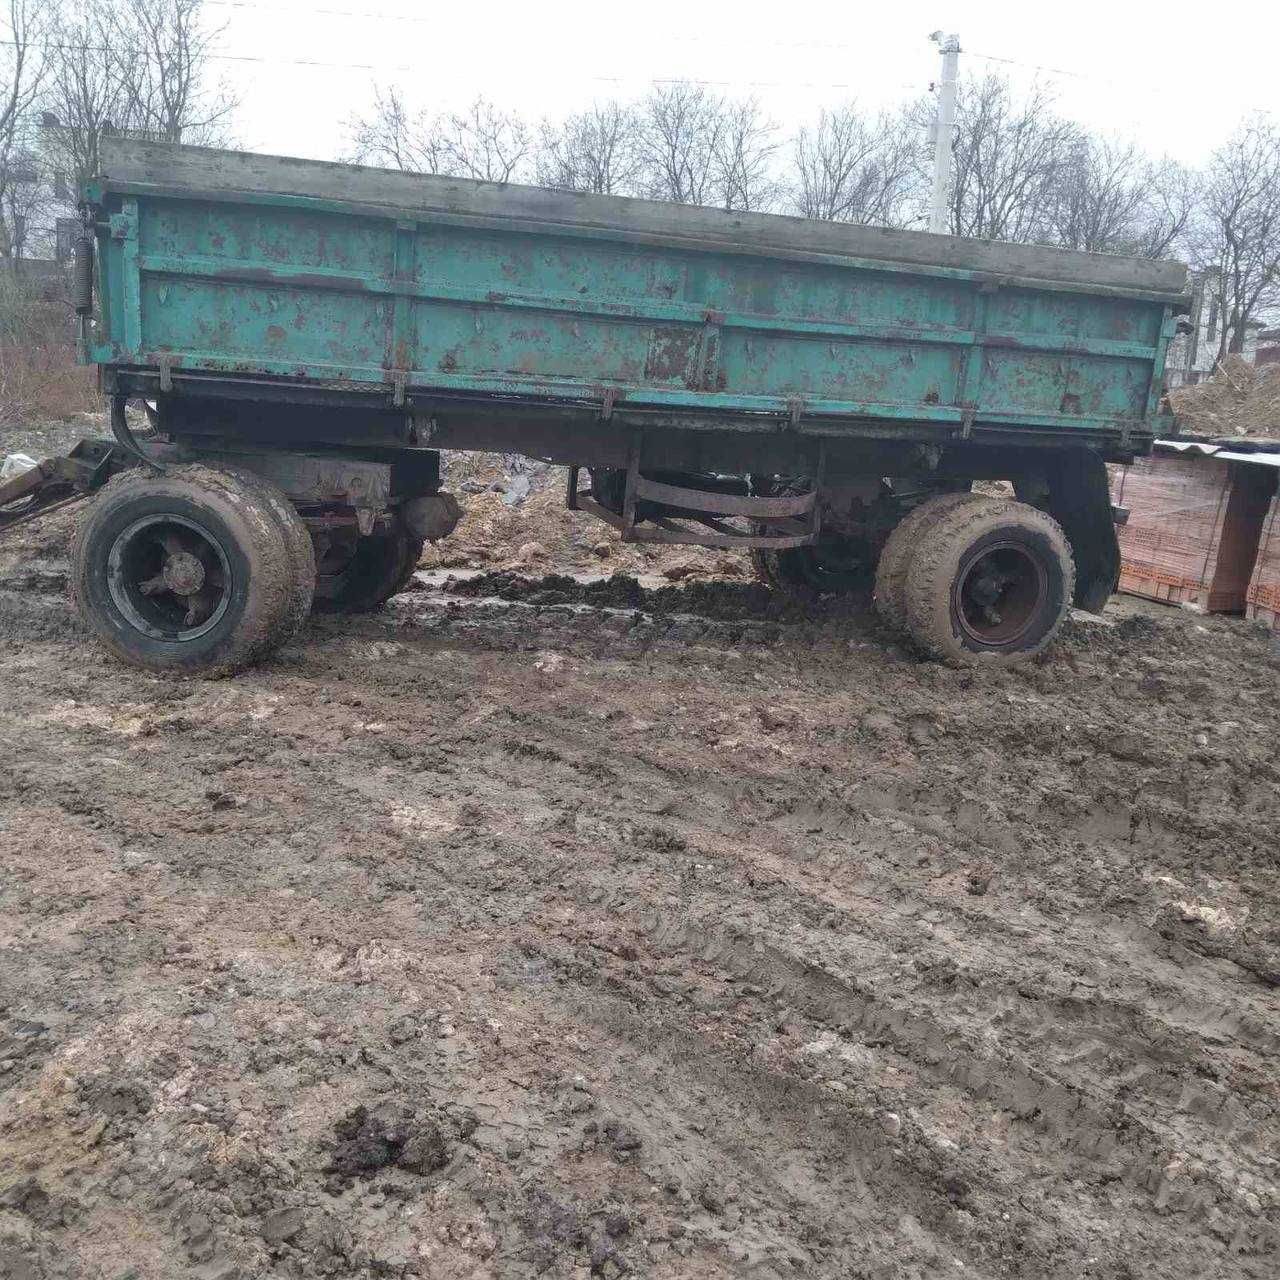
x=268 y=60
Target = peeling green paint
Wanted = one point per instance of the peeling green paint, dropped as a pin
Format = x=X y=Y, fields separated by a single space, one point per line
x=283 y=287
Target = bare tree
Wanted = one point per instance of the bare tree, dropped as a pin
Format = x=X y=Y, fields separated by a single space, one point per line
x=1009 y=156
x=1110 y=198
x=22 y=67
x=594 y=150
x=743 y=158
x=164 y=48
x=84 y=96
x=679 y=133
x=1237 y=241
x=698 y=148
x=482 y=142
x=394 y=136
x=1174 y=194
x=852 y=168
x=136 y=67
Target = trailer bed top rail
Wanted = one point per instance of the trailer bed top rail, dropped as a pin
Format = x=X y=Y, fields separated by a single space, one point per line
x=130 y=165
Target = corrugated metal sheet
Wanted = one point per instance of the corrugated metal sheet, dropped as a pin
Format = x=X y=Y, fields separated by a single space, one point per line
x=1228 y=453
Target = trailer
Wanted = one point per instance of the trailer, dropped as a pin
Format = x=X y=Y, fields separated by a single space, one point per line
x=307 y=337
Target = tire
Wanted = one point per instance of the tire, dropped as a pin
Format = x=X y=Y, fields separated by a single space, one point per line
x=989 y=581
x=413 y=553
x=895 y=559
x=381 y=566
x=185 y=572
x=297 y=538
x=836 y=565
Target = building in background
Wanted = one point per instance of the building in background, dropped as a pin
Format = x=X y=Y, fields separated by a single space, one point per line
x=1268 y=347
x=1193 y=355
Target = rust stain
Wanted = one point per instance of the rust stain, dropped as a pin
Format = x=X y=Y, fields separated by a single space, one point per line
x=275 y=333
x=672 y=355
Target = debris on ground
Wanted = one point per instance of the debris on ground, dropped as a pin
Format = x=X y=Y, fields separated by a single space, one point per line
x=514 y=517
x=14 y=464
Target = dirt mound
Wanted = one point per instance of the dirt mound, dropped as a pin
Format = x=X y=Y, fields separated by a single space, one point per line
x=1241 y=400
x=536 y=530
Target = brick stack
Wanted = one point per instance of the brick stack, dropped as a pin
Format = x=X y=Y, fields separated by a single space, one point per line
x=1193 y=529
x=1262 y=602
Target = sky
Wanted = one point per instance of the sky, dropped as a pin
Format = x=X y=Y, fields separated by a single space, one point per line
x=1171 y=77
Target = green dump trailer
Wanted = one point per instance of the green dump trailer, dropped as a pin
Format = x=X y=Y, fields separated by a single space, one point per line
x=306 y=337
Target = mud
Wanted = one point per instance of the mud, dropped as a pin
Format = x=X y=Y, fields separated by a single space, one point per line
x=548 y=927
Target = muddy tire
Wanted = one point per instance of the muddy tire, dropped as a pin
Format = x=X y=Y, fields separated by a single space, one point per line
x=413 y=553
x=187 y=572
x=895 y=558
x=297 y=538
x=834 y=565
x=380 y=567
x=989 y=581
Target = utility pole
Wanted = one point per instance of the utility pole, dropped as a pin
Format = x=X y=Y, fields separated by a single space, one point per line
x=943 y=129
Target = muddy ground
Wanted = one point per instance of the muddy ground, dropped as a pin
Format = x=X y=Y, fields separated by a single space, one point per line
x=536 y=927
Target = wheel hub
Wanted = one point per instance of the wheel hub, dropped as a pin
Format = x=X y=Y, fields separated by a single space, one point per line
x=169 y=577
x=183 y=573
x=999 y=593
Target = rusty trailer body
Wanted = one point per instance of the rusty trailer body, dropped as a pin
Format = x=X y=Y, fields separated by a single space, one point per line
x=308 y=336
x=432 y=294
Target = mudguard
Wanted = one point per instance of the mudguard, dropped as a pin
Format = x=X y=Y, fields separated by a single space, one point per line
x=1079 y=499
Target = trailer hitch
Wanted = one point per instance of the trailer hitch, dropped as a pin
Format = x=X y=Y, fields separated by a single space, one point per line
x=58 y=482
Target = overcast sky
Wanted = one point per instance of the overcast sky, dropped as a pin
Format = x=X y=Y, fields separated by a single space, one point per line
x=1177 y=78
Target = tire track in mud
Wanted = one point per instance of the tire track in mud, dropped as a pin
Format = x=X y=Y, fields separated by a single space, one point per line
x=1058 y=1108
x=703 y=890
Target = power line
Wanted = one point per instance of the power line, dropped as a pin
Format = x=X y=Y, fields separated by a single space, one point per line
x=232 y=57
x=675 y=38
x=423 y=19
x=1033 y=66
x=1148 y=90
x=267 y=60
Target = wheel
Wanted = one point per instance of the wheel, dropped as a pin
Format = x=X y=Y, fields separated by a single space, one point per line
x=363 y=577
x=895 y=558
x=833 y=564
x=989 y=580
x=297 y=537
x=413 y=553
x=188 y=571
